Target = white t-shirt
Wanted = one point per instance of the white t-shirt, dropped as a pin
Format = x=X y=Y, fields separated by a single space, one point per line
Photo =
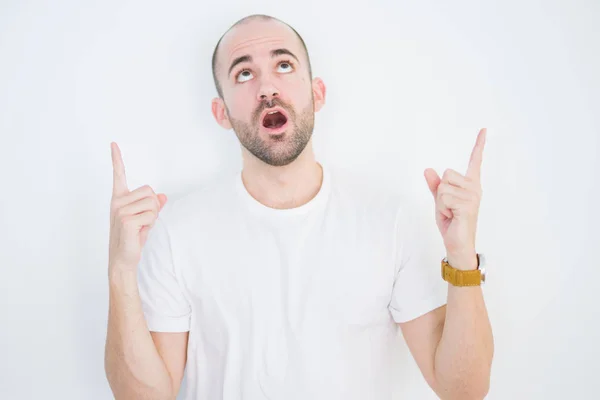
x=288 y=304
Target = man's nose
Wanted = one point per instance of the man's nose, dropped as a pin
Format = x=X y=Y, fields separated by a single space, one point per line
x=267 y=92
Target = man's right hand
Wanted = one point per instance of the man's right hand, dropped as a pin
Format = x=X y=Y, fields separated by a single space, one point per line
x=132 y=215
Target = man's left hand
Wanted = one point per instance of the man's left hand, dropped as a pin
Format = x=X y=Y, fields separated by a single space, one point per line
x=457 y=199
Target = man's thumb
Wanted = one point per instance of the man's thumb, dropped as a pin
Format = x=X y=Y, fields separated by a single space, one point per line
x=162 y=199
x=433 y=180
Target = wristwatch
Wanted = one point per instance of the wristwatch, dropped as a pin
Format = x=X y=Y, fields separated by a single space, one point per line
x=457 y=277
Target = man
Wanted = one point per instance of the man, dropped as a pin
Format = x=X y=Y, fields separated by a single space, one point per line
x=289 y=280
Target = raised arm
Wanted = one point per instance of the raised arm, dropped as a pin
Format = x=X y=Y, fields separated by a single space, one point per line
x=453 y=345
x=138 y=364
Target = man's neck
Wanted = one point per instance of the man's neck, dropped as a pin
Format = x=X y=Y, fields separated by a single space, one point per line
x=283 y=187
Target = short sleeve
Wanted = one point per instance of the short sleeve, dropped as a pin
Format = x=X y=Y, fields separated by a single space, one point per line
x=418 y=285
x=165 y=306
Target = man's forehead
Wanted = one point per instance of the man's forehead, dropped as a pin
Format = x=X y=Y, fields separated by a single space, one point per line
x=239 y=40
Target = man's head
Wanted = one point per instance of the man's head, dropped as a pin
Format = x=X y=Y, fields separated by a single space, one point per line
x=261 y=66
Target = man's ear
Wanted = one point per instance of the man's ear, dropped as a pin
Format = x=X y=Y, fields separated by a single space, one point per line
x=220 y=113
x=319 y=92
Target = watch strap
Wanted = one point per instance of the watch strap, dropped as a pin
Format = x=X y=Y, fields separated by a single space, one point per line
x=459 y=277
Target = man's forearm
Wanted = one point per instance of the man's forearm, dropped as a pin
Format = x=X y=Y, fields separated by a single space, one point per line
x=134 y=368
x=464 y=354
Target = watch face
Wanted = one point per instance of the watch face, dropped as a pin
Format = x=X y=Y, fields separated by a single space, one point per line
x=482 y=266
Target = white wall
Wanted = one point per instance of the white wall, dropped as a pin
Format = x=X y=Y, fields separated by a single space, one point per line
x=409 y=85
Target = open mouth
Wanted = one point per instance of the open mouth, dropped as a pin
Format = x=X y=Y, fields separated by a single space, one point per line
x=274 y=120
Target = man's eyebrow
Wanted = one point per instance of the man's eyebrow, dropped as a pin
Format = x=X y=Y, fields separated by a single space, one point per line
x=279 y=52
x=239 y=60
x=248 y=58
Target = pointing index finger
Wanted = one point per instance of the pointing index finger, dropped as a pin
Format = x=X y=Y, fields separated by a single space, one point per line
x=119 y=179
x=474 y=169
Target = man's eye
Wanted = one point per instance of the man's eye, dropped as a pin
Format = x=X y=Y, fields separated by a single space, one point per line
x=243 y=75
x=288 y=66
x=246 y=75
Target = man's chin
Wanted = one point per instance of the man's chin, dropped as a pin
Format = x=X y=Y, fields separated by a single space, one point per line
x=280 y=160
x=278 y=153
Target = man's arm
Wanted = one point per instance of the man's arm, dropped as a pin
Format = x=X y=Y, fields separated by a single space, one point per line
x=138 y=364
x=172 y=347
x=453 y=345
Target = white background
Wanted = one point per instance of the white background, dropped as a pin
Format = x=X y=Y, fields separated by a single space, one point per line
x=409 y=85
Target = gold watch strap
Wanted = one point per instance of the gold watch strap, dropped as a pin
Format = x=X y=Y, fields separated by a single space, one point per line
x=458 y=277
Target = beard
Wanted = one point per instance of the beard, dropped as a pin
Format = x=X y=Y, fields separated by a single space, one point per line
x=276 y=150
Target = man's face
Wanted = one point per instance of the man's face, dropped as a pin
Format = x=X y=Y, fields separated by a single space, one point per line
x=268 y=97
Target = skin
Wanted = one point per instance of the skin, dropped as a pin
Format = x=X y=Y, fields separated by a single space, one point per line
x=139 y=364
x=299 y=179
x=452 y=345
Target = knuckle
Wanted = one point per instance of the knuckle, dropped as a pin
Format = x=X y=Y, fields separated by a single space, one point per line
x=152 y=203
x=146 y=191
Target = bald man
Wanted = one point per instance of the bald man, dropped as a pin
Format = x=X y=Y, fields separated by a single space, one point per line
x=289 y=279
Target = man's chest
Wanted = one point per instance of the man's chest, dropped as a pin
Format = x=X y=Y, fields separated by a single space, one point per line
x=308 y=276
